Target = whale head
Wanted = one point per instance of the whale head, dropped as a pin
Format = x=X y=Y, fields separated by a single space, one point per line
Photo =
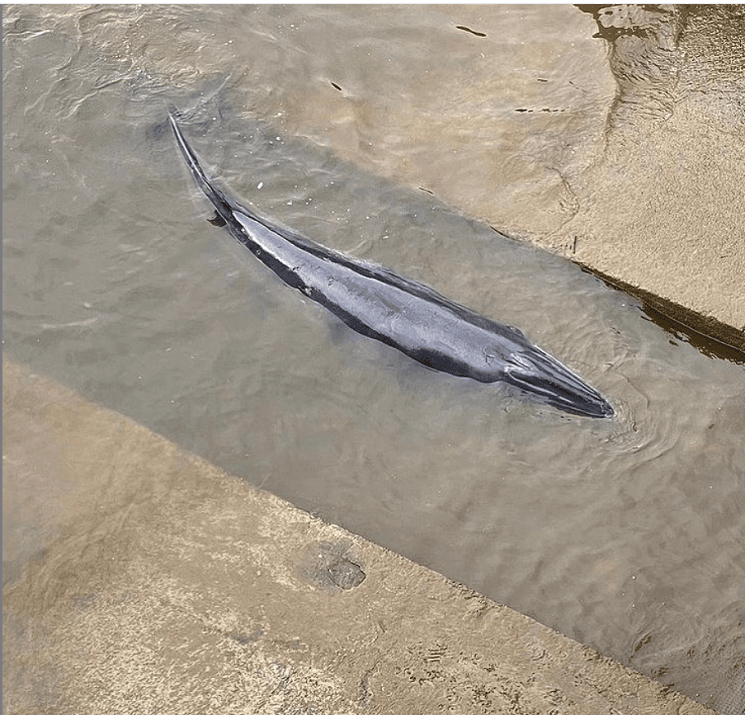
x=542 y=375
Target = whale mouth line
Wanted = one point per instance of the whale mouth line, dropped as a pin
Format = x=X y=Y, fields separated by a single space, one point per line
x=554 y=384
x=548 y=392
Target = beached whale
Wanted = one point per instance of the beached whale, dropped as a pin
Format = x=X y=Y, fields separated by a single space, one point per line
x=400 y=312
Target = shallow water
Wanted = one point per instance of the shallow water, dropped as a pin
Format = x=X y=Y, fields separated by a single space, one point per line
x=625 y=534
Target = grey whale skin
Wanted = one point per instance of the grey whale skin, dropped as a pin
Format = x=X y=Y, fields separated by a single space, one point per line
x=400 y=312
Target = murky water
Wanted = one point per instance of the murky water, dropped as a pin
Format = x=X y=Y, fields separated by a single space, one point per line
x=625 y=534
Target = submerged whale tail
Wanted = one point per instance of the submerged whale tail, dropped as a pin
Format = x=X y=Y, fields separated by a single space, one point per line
x=223 y=205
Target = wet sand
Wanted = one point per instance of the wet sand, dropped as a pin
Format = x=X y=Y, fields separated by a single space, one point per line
x=658 y=213
x=173 y=586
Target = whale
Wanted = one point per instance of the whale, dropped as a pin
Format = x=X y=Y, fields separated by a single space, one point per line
x=397 y=311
